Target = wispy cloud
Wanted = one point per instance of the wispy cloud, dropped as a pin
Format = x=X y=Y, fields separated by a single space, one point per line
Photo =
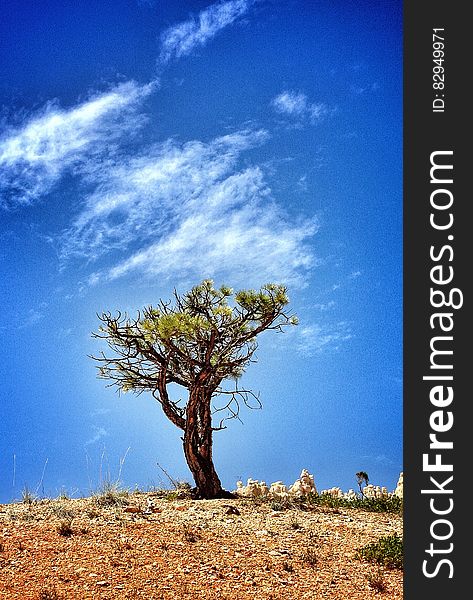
x=147 y=195
x=193 y=213
x=34 y=156
x=297 y=106
x=181 y=39
x=354 y=275
x=313 y=339
x=99 y=434
x=31 y=318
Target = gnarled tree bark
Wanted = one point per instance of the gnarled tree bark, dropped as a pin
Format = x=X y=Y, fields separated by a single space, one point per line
x=197 y=442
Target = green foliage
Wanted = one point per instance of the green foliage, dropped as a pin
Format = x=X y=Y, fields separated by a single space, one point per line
x=361 y=477
x=199 y=330
x=197 y=341
x=387 y=551
x=391 y=503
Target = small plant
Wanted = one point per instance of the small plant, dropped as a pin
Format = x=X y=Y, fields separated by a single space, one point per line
x=50 y=594
x=123 y=543
x=287 y=566
x=171 y=496
x=184 y=490
x=93 y=513
x=310 y=557
x=190 y=534
x=295 y=524
x=376 y=580
x=27 y=497
x=387 y=551
x=63 y=495
x=64 y=527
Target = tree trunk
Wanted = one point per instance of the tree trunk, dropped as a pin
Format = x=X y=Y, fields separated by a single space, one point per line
x=198 y=444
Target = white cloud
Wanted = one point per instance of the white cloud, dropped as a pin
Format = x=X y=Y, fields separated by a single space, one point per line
x=181 y=39
x=192 y=213
x=147 y=195
x=33 y=157
x=296 y=105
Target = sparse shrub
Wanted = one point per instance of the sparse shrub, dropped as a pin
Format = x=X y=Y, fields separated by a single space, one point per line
x=63 y=513
x=376 y=581
x=110 y=495
x=391 y=503
x=387 y=551
x=64 y=527
x=295 y=524
x=184 y=490
x=282 y=504
x=93 y=513
x=171 y=496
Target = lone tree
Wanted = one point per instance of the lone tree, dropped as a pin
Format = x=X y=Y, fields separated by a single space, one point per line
x=197 y=341
x=362 y=477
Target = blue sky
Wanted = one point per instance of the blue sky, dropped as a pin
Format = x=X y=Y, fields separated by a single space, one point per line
x=147 y=145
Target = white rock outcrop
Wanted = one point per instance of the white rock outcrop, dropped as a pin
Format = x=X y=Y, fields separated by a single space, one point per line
x=304 y=485
x=375 y=491
x=335 y=492
x=277 y=490
x=399 y=491
x=252 y=489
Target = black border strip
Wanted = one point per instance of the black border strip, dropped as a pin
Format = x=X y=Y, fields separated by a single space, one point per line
x=425 y=132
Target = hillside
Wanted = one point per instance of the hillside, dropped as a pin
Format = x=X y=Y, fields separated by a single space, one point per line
x=143 y=545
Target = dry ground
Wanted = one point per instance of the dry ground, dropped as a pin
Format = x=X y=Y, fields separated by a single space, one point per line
x=187 y=549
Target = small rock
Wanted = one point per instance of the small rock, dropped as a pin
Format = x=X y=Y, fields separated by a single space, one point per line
x=132 y=509
x=231 y=510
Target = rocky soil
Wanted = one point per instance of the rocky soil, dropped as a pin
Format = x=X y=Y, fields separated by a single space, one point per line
x=145 y=546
